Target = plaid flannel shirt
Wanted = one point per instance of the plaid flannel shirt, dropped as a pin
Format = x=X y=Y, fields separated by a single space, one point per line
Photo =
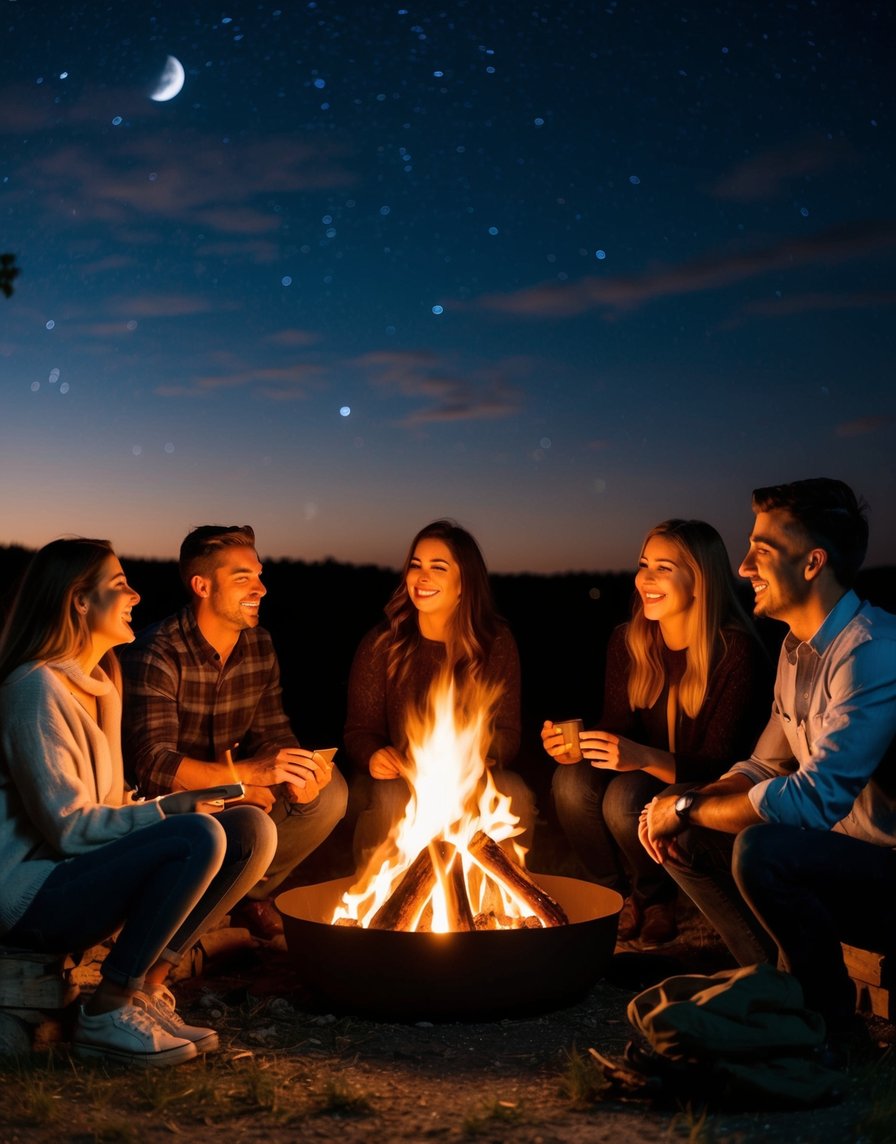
x=180 y=702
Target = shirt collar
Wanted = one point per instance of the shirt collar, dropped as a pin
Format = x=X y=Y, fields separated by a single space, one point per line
x=835 y=621
x=194 y=636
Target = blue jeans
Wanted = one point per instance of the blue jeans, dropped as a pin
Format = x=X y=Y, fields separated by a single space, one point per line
x=598 y=811
x=812 y=890
x=301 y=828
x=162 y=886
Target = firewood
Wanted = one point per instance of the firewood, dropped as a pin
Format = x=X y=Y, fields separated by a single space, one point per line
x=489 y=855
x=403 y=907
x=460 y=915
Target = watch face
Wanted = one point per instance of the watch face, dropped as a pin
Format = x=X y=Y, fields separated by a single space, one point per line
x=683 y=803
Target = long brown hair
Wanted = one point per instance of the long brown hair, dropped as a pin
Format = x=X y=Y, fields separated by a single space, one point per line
x=44 y=623
x=717 y=607
x=473 y=624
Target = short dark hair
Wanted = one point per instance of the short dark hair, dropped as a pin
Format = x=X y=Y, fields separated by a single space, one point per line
x=831 y=515
x=198 y=553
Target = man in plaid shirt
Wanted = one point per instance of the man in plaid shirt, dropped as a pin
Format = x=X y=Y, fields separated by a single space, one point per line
x=203 y=707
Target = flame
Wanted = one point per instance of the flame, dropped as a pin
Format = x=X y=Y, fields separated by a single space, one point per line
x=452 y=798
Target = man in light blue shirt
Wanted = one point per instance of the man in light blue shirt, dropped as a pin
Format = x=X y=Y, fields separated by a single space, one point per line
x=795 y=848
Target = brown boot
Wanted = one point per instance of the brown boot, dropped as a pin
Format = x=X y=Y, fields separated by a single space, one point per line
x=629 y=920
x=659 y=926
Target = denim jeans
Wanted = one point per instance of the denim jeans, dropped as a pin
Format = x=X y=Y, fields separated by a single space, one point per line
x=162 y=886
x=301 y=828
x=598 y=811
x=814 y=889
x=704 y=872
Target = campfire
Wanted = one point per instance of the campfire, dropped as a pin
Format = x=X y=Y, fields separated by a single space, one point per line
x=444 y=869
x=445 y=922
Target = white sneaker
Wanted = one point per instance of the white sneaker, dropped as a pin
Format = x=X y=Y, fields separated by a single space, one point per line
x=158 y=1002
x=130 y=1035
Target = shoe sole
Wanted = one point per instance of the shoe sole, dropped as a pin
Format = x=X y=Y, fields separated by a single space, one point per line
x=207 y=1044
x=175 y=1056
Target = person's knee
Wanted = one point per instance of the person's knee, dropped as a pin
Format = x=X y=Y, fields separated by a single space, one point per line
x=202 y=834
x=624 y=799
x=251 y=830
x=334 y=798
x=522 y=799
x=571 y=786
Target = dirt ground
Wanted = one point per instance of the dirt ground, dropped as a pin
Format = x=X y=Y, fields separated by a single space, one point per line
x=291 y=1069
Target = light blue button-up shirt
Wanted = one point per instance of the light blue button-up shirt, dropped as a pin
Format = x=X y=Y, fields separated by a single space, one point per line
x=833 y=725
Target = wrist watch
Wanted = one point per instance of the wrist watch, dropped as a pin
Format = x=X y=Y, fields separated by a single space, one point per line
x=683 y=805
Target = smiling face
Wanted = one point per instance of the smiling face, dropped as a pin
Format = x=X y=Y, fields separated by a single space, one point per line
x=666 y=587
x=109 y=604
x=233 y=593
x=775 y=565
x=433 y=583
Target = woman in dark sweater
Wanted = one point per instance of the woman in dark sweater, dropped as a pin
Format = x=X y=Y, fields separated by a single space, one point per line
x=687 y=691
x=440 y=621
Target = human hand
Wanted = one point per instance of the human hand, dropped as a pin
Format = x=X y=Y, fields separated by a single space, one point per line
x=610 y=752
x=292 y=765
x=387 y=763
x=556 y=743
x=658 y=826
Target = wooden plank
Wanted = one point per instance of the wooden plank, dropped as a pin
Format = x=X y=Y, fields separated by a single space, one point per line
x=868 y=966
x=30 y=980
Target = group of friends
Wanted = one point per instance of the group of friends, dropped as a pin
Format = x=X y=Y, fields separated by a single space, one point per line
x=781 y=827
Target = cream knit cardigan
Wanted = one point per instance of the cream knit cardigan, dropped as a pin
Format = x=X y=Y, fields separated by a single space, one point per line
x=61 y=779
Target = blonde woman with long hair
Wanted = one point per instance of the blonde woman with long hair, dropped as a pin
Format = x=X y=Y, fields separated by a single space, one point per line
x=80 y=859
x=687 y=687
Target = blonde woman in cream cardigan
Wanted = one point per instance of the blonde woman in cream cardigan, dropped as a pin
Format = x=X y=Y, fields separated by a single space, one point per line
x=79 y=860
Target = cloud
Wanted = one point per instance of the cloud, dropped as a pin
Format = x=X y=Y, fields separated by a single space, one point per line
x=624 y=294
x=820 y=301
x=120 y=177
x=862 y=426
x=164 y=305
x=765 y=176
x=292 y=338
x=440 y=393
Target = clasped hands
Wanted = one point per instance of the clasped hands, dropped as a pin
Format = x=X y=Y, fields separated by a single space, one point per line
x=658 y=826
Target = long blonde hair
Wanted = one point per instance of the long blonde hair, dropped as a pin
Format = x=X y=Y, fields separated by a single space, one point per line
x=716 y=608
x=44 y=624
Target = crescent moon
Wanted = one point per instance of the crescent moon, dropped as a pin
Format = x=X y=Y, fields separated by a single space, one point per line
x=170 y=81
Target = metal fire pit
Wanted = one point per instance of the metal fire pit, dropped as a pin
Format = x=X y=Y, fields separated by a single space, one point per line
x=477 y=975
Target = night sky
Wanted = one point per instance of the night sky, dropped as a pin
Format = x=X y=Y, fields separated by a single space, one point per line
x=558 y=270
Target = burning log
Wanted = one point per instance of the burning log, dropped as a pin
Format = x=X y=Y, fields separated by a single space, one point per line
x=404 y=906
x=460 y=913
x=489 y=855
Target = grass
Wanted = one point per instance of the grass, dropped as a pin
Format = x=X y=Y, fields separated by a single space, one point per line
x=878 y=1081
x=696 y=1123
x=581 y=1082
x=339 y=1099
x=487 y=1117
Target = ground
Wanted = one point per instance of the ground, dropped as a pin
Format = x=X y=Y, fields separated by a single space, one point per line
x=289 y=1069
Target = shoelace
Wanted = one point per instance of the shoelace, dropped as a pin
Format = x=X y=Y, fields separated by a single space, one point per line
x=162 y=999
x=137 y=1018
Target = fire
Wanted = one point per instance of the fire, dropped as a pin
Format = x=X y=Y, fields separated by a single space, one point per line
x=453 y=801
